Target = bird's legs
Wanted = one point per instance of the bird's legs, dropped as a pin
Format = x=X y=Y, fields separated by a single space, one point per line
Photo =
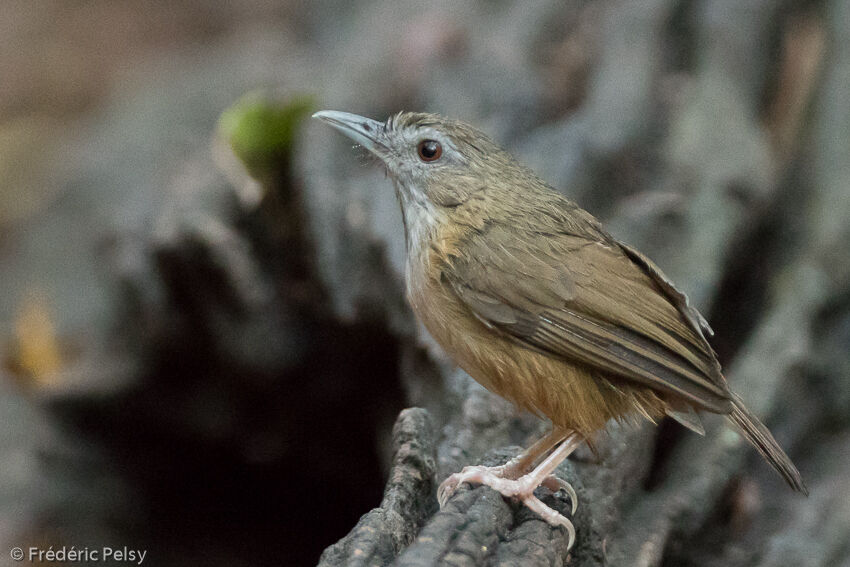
x=514 y=481
x=525 y=461
x=511 y=470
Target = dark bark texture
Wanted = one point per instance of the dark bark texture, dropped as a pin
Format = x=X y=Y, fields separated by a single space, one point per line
x=217 y=369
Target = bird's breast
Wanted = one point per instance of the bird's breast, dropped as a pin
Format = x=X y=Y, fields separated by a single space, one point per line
x=485 y=354
x=553 y=387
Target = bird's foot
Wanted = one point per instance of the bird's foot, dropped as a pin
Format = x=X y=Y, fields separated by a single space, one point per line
x=519 y=487
x=500 y=476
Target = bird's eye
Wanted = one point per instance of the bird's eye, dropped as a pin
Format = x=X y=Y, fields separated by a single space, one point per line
x=429 y=150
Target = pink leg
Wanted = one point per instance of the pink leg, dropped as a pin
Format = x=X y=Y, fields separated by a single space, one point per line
x=525 y=461
x=524 y=486
x=513 y=469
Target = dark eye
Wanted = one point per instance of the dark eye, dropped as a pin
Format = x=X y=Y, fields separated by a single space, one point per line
x=429 y=150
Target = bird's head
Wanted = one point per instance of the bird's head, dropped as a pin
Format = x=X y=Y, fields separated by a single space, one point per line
x=436 y=163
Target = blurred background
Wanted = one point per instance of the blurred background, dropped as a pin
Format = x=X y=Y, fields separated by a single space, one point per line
x=203 y=333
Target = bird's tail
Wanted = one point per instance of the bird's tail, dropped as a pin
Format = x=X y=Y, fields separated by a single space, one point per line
x=761 y=438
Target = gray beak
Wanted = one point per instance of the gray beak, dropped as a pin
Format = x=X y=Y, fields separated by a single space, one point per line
x=365 y=131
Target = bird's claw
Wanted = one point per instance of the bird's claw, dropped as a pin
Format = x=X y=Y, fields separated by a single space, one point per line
x=552 y=517
x=447 y=489
x=449 y=486
x=556 y=484
x=521 y=488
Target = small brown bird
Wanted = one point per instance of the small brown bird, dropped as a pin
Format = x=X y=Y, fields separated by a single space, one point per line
x=534 y=300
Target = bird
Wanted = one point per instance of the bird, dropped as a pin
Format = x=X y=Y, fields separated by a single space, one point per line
x=528 y=294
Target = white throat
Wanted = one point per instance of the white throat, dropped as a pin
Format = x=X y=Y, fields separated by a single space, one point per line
x=421 y=219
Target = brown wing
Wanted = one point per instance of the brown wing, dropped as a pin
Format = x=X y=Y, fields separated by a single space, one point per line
x=590 y=300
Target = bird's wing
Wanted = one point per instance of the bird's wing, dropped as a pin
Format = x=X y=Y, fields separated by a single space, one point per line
x=588 y=298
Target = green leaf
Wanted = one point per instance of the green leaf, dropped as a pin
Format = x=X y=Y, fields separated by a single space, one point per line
x=261 y=130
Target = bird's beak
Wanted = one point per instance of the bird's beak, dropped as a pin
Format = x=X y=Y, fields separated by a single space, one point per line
x=365 y=131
